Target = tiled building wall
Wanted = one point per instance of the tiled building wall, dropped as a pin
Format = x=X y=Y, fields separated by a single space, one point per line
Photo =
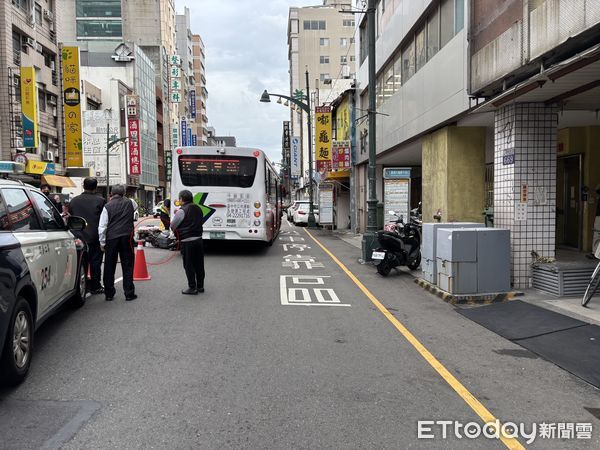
x=525 y=182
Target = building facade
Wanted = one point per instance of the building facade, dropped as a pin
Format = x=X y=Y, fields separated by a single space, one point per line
x=321 y=41
x=200 y=125
x=28 y=39
x=492 y=105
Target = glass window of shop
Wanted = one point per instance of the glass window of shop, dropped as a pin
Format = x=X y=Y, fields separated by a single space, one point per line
x=98 y=8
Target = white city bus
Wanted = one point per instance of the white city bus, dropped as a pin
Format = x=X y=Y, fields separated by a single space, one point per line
x=237 y=188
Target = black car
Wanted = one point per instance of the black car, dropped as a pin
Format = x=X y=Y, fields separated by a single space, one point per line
x=42 y=266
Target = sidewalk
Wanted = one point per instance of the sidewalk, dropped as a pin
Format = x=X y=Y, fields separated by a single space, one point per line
x=564 y=305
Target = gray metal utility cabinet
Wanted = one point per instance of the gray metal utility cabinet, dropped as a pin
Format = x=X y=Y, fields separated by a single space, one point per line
x=473 y=260
x=429 y=246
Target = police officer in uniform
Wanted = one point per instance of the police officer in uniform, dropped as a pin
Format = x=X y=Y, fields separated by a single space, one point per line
x=116 y=240
x=187 y=225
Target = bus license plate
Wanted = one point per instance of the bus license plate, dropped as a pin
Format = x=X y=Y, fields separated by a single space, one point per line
x=217 y=235
x=378 y=255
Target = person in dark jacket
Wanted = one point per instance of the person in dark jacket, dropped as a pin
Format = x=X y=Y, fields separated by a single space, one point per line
x=187 y=225
x=116 y=240
x=89 y=205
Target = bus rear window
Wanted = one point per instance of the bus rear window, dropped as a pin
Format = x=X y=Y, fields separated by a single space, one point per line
x=217 y=170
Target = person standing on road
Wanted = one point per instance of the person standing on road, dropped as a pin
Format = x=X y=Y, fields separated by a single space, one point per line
x=89 y=205
x=164 y=214
x=187 y=225
x=116 y=240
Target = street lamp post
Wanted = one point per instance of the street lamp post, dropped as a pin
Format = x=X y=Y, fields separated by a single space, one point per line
x=305 y=107
x=369 y=238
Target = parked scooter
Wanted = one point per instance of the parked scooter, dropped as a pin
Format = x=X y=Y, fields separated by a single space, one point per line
x=400 y=244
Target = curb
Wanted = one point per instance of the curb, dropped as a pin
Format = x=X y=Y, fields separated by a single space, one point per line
x=468 y=299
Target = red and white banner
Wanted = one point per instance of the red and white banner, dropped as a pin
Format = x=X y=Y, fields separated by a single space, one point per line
x=133 y=130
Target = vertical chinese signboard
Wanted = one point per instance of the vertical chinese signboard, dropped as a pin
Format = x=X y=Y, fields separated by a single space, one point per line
x=29 y=107
x=193 y=110
x=184 y=132
x=175 y=83
x=72 y=106
x=133 y=130
x=194 y=140
x=340 y=156
x=323 y=138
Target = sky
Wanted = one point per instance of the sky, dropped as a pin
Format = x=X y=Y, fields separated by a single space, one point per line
x=246 y=53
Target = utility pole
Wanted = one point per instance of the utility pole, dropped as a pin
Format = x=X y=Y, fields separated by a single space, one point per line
x=311 y=211
x=369 y=238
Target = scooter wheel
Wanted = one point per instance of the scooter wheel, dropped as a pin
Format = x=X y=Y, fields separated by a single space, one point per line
x=416 y=263
x=384 y=269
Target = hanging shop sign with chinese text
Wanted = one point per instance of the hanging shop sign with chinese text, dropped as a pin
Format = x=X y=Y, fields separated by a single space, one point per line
x=323 y=130
x=29 y=111
x=175 y=78
x=133 y=130
x=184 y=132
x=72 y=106
x=340 y=156
x=193 y=104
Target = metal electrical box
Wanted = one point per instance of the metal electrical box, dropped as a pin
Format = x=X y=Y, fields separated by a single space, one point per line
x=473 y=260
x=429 y=245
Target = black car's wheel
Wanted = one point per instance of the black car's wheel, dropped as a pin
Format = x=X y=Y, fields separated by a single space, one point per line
x=78 y=300
x=416 y=263
x=17 y=351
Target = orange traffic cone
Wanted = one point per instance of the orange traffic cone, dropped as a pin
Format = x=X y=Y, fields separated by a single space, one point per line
x=140 y=269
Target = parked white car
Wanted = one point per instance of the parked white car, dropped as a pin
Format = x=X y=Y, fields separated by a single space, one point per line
x=293 y=207
x=301 y=214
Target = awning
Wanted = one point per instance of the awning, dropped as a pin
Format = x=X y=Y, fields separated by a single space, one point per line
x=338 y=175
x=57 y=180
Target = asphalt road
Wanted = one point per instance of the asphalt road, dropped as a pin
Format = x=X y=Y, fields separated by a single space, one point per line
x=283 y=350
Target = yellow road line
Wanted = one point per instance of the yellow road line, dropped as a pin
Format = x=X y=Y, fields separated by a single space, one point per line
x=460 y=389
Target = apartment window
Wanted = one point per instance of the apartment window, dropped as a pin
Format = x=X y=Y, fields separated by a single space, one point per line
x=388 y=81
x=99 y=29
x=324 y=76
x=43 y=144
x=17 y=47
x=343 y=42
x=433 y=34
x=348 y=23
x=352 y=40
x=447 y=22
x=98 y=8
x=41 y=94
x=324 y=59
x=352 y=58
x=23 y=4
x=364 y=50
x=459 y=15
x=397 y=71
x=408 y=61
x=421 y=53
x=17 y=85
x=38 y=14
x=343 y=59
x=324 y=42
x=315 y=25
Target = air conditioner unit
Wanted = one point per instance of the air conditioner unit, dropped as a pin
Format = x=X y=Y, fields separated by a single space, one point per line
x=30 y=41
x=52 y=100
x=48 y=15
x=49 y=156
x=38 y=47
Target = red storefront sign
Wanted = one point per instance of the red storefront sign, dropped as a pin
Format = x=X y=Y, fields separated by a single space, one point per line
x=133 y=129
